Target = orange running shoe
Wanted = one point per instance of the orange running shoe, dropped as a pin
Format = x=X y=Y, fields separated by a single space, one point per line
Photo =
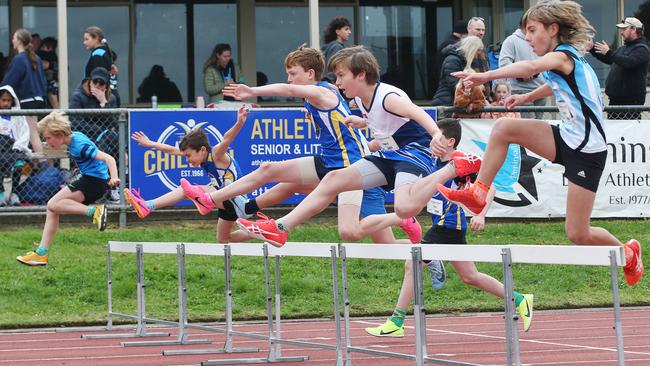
x=634 y=269
x=264 y=229
x=199 y=197
x=465 y=164
x=465 y=198
x=412 y=228
x=137 y=202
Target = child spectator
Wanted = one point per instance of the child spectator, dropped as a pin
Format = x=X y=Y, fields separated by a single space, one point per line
x=98 y=171
x=14 y=145
x=501 y=91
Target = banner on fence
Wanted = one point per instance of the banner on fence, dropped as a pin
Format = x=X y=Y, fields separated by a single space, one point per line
x=267 y=135
x=529 y=186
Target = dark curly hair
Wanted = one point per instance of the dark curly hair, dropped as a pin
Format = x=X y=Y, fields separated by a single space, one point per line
x=336 y=24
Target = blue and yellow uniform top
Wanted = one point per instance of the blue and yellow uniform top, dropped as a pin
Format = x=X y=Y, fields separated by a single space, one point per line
x=451 y=216
x=221 y=177
x=84 y=152
x=340 y=145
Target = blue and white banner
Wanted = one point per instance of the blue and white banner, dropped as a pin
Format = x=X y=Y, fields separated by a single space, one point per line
x=267 y=135
x=530 y=186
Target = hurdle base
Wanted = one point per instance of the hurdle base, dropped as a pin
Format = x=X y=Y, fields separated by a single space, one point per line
x=240 y=361
x=164 y=343
x=208 y=351
x=125 y=335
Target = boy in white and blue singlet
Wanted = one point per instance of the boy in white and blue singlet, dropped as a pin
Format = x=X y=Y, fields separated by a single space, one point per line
x=559 y=34
x=449 y=226
x=222 y=170
x=97 y=172
x=404 y=134
x=341 y=146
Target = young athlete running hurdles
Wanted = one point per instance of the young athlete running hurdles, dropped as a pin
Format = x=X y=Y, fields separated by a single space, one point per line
x=222 y=170
x=404 y=133
x=559 y=33
x=98 y=171
x=449 y=227
x=341 y=146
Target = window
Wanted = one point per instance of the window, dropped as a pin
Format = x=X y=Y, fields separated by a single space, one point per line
x=161 y=39
x=5 y=37
x=602 y=16
x=394 y=35
x=113 y=20
x=483 y=9
x=213 y=24
x=513 y=10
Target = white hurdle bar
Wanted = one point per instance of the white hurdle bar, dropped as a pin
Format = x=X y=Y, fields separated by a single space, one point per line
x=611 y=256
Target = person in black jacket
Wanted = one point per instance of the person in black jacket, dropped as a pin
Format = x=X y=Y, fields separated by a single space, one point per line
x=453 y=61
x=93 y=93
x=101 y=55
x=625 y=84
x=459 y=31
x=158 y=84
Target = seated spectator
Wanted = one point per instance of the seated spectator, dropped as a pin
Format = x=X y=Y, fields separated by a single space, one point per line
x=14 y=145
x=158 y=84
x=93 y=93
x=501 y=91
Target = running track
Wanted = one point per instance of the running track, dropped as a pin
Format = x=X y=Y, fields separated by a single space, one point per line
x=565 y=337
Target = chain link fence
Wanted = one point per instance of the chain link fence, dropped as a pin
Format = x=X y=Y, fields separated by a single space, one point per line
x=30 y=178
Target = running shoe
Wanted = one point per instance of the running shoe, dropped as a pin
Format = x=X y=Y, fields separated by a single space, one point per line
x=438 y=274
x=525 y=310
x=465 y=163
x=388 y=329
x=634 y=269
x=199 y=197
x=467 y=198
x=100 y=217
x=137 y=202
x=240 y=206
x=412 y=228
x=33 y=259
x=264 y=229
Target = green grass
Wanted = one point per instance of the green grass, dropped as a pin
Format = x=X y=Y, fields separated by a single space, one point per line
x=72 y=289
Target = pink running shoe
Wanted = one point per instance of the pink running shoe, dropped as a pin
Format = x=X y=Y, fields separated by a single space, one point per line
x=137 y=202
x=199 y=197
x=465 y=164
x=634 y=269
x=264 y=229
x=412 y=228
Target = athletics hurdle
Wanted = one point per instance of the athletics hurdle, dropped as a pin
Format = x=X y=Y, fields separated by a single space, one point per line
x=505 y=254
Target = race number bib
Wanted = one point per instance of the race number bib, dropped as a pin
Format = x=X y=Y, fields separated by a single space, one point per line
x=386 y=142
x=434 y=207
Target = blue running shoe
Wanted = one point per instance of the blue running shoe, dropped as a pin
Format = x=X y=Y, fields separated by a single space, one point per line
x=438 y=274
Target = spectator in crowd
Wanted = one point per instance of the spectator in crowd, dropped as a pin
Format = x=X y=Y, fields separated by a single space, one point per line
x=515 y=48
x=473 y=99
x=101 y=55
x=625 y=84
x=453 y=61
x=14 y=145
x=337 y=32
x=459 y=31
x=47 y=53
x=36 y=41
x=26 y=76
x=93 y=93
x=158 y=84
x=476 y=27
x=501 y=91
x=218 y=71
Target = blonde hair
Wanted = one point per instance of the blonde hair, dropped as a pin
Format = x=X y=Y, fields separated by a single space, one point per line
x=56 y=123
x=574 y=28
x=307 y=58
x=469 y=47
x=356 y=59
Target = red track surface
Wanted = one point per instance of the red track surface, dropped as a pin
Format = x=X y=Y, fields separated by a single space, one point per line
x=567 y=337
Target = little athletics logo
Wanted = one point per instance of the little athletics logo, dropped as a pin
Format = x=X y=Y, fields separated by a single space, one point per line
x=514 y=182
x=171 y=168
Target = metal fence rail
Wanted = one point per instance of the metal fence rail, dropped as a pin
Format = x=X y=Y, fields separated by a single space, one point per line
x=30 y=179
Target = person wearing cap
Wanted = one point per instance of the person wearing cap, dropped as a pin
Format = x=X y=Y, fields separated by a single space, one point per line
x=459 y=31
x=626 y=81
x=93 y=93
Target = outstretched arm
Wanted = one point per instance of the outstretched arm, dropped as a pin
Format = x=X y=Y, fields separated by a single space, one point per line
x=318 y=96
x=143 y=140
x=230 y=135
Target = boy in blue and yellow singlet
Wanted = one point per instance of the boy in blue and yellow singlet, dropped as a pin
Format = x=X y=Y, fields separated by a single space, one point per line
x=98 y=171
x=449 y=227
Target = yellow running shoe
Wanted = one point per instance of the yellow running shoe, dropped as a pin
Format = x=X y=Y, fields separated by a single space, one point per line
x=33 y=259
x=525 y=310
x=388 y=329
x=100 y=217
